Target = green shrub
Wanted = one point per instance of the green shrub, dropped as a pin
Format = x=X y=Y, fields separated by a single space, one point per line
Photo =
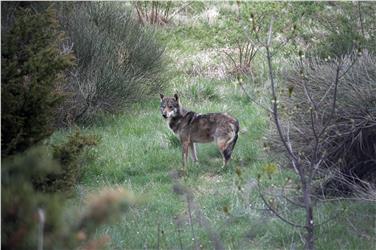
x=31 y=68
x=68 y=154
x=119 y=60
x=343 y=28
x=32 y=219
x=20 y=202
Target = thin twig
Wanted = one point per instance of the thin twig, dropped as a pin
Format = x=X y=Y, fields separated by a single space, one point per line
x=195 y=242
x=275 y=212
x=253 y=100
x=158 y=234
x=178 y=10
x=42 y=220
x=274 y=100
x=361 y=19
x=179 y=236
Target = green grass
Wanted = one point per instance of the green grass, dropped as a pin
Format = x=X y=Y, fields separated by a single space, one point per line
x=138 y=151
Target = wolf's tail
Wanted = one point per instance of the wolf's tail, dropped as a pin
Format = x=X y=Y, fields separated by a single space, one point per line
x=231 y=144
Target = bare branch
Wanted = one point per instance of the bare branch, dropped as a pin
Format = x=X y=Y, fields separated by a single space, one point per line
x=253 y=100
x=178 y=10
x=276 y=213
x=360 y=19
x=274 y=99
x=268 y=43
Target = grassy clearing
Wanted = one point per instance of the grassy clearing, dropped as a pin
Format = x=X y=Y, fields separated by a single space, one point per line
x=138 y=151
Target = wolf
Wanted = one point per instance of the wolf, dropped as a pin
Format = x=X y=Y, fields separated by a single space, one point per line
x=191 y=127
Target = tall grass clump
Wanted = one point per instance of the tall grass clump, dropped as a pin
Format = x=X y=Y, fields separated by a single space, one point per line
x=349 y=130
x=202 y=90
x=119 y=61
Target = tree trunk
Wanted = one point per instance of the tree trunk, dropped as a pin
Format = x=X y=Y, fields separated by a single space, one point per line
x=309 y=239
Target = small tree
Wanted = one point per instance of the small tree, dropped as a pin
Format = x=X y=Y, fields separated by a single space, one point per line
x=32 y=67
x=321 y=110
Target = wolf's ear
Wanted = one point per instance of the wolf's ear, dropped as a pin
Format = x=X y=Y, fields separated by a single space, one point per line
x=161 y=95
x=176 y=97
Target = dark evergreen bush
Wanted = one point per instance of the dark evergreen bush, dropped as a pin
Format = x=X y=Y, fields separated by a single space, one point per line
x=34 y=219
x=68 y=155
x=20 y=202
x=32 y=66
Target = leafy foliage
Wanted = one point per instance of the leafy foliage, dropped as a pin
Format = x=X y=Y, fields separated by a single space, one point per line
x=68 y=155
x=32 y=67
x=351 y=28
x=20 y=202
x=30 y=216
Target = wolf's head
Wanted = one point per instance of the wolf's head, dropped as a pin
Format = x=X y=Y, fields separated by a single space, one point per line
x=170 y=106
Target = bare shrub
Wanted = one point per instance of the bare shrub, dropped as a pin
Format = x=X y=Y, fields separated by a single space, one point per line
x=158 y=12
x=153 y=12
x=239 y=60
x=349 y=140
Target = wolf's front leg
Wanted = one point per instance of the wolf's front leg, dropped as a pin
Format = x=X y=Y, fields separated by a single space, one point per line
x=185 y=149
x=193 y=152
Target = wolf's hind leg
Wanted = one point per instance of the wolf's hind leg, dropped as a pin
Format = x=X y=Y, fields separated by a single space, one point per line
x=222 y=144
x=226 y=155
x=229 y=148
x=226 y=146
x=193 y=152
